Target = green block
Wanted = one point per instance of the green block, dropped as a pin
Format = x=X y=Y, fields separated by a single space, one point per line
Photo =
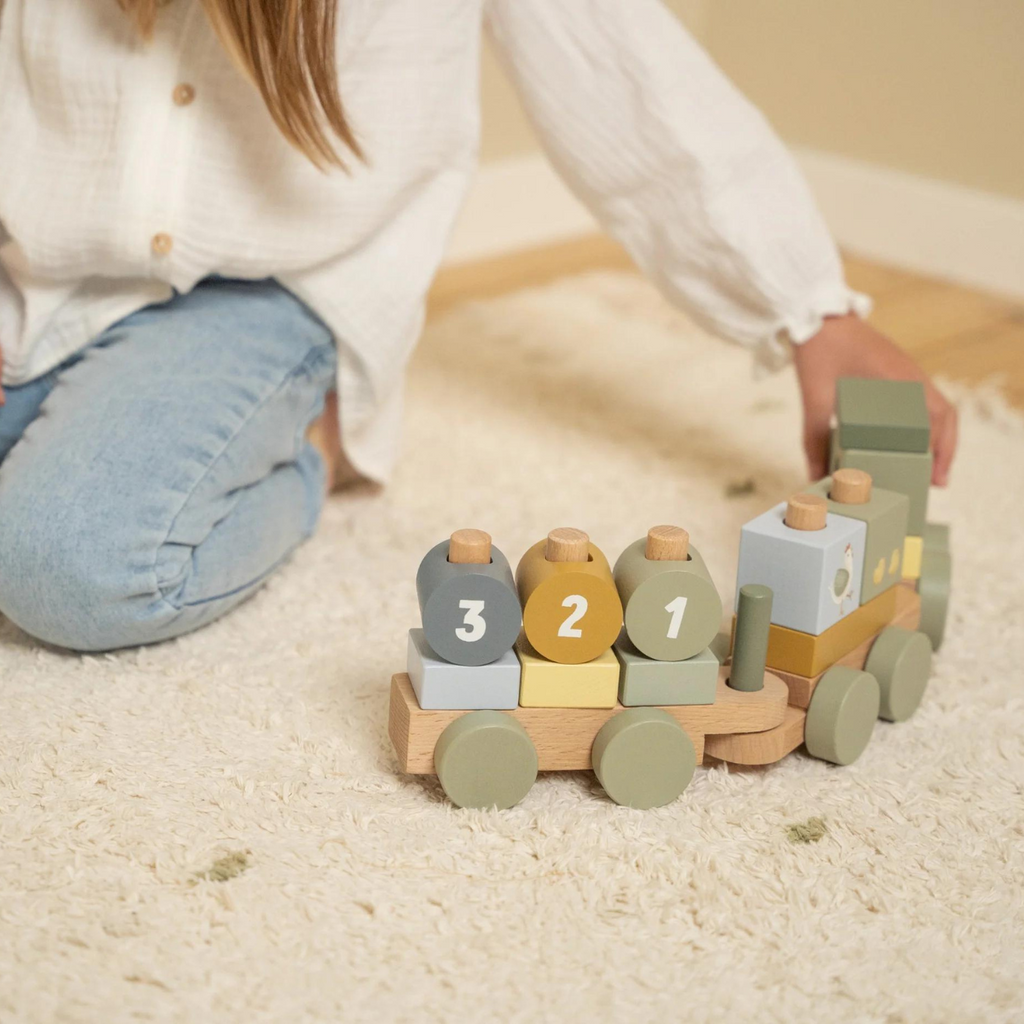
x=910 y=473
x=886 y=516
x=882 y=415
x=649 y=683
x=936 y=535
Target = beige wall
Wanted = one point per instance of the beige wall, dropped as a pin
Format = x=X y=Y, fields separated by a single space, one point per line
x=934 y=87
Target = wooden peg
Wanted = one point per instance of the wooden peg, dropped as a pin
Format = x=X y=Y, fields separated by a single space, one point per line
x=851 y=487
x=667 y=544
x=806 y=512
x=567 y=545
x=469 y=547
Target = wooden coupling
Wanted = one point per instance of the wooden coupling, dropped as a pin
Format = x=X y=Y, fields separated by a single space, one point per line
x=806 y=512
x=667 y=544
x=850 y=487
x=469 y=547
x=567 y=544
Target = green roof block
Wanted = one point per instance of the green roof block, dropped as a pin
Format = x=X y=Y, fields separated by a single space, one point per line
x=882 y=415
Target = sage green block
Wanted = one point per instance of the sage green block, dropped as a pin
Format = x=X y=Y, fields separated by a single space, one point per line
x=909 y=473
x=721 y=646
x=643 y=681
x=933 y=588
x=936 y=535
x=750 y=650
x=882 y=415
x=886 y=516
x=485 y=759
x=901 y=661
x=648 y=589
x=643 y=758
x=842 y=715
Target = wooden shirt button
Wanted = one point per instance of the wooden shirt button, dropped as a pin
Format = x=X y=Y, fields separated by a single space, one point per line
x=183 y=94
x=161 y=243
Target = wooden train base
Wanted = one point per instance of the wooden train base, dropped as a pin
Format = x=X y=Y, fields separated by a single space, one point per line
x=833 y=713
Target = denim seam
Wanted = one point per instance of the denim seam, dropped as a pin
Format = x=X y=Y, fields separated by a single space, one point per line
x=312 y=357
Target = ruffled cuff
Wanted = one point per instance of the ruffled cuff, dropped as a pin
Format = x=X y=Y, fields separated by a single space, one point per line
x=775 y=351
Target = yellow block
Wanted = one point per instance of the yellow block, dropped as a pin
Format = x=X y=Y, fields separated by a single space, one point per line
x=549 y=684
x=807 y=655
x=912 y=548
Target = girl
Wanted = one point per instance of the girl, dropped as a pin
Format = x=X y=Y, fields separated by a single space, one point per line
x=216 y=215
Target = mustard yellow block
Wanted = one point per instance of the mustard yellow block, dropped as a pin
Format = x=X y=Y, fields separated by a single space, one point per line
x=550 y=684
x=912 y=550
x=571 y=610
x=807 y=655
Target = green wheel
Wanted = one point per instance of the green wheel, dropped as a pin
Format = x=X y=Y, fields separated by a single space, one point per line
x=901 y=661
x=485 y=759
x=643 y=758
x=933 y=588
x=842 y=715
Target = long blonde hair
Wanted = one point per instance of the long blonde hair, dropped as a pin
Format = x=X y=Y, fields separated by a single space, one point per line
x=287 y=48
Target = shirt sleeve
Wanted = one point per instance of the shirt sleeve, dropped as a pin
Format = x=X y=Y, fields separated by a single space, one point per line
x=677 y=165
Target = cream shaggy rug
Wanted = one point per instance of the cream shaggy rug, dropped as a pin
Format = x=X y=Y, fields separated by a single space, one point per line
x=214 y=829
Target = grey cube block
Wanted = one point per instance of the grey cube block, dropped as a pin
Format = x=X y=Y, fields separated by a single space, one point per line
x=815 y=575
x=645 y=682
x=441 y=686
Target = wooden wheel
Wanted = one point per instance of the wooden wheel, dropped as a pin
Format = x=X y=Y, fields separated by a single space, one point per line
x=643 y=758
x=842 y=715
x=485 y=759
x=901 y=661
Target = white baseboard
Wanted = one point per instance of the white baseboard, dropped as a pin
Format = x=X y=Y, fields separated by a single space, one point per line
x=933 y=227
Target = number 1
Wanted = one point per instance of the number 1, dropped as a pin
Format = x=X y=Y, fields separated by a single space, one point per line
x=676 y=609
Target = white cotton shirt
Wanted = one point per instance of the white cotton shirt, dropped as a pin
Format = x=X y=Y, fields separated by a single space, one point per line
x=114 y=193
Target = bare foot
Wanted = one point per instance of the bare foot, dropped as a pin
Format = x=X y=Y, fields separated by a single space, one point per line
x=325 y=436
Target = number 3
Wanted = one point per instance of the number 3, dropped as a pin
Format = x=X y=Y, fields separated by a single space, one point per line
x=473 y=619
x=579 y=605
x=676 y=609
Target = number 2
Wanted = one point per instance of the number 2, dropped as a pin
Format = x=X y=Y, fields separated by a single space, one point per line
x=579 y=605
x=676 y=609
x=473 y=619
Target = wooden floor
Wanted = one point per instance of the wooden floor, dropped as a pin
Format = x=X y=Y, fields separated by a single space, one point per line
x=953 y=331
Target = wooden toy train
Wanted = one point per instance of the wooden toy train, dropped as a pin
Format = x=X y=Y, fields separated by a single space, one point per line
x=572 y=664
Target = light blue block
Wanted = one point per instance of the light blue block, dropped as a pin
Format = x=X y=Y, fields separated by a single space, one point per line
x=645 y=682
x=441 y=686
x=815 y=575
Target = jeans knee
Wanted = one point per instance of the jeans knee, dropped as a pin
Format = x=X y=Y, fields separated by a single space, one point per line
x=64 y=587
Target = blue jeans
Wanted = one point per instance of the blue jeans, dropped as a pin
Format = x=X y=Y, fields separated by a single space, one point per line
x=156 y=479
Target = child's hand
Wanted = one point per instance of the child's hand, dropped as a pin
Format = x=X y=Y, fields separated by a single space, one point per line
x=848 y=347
